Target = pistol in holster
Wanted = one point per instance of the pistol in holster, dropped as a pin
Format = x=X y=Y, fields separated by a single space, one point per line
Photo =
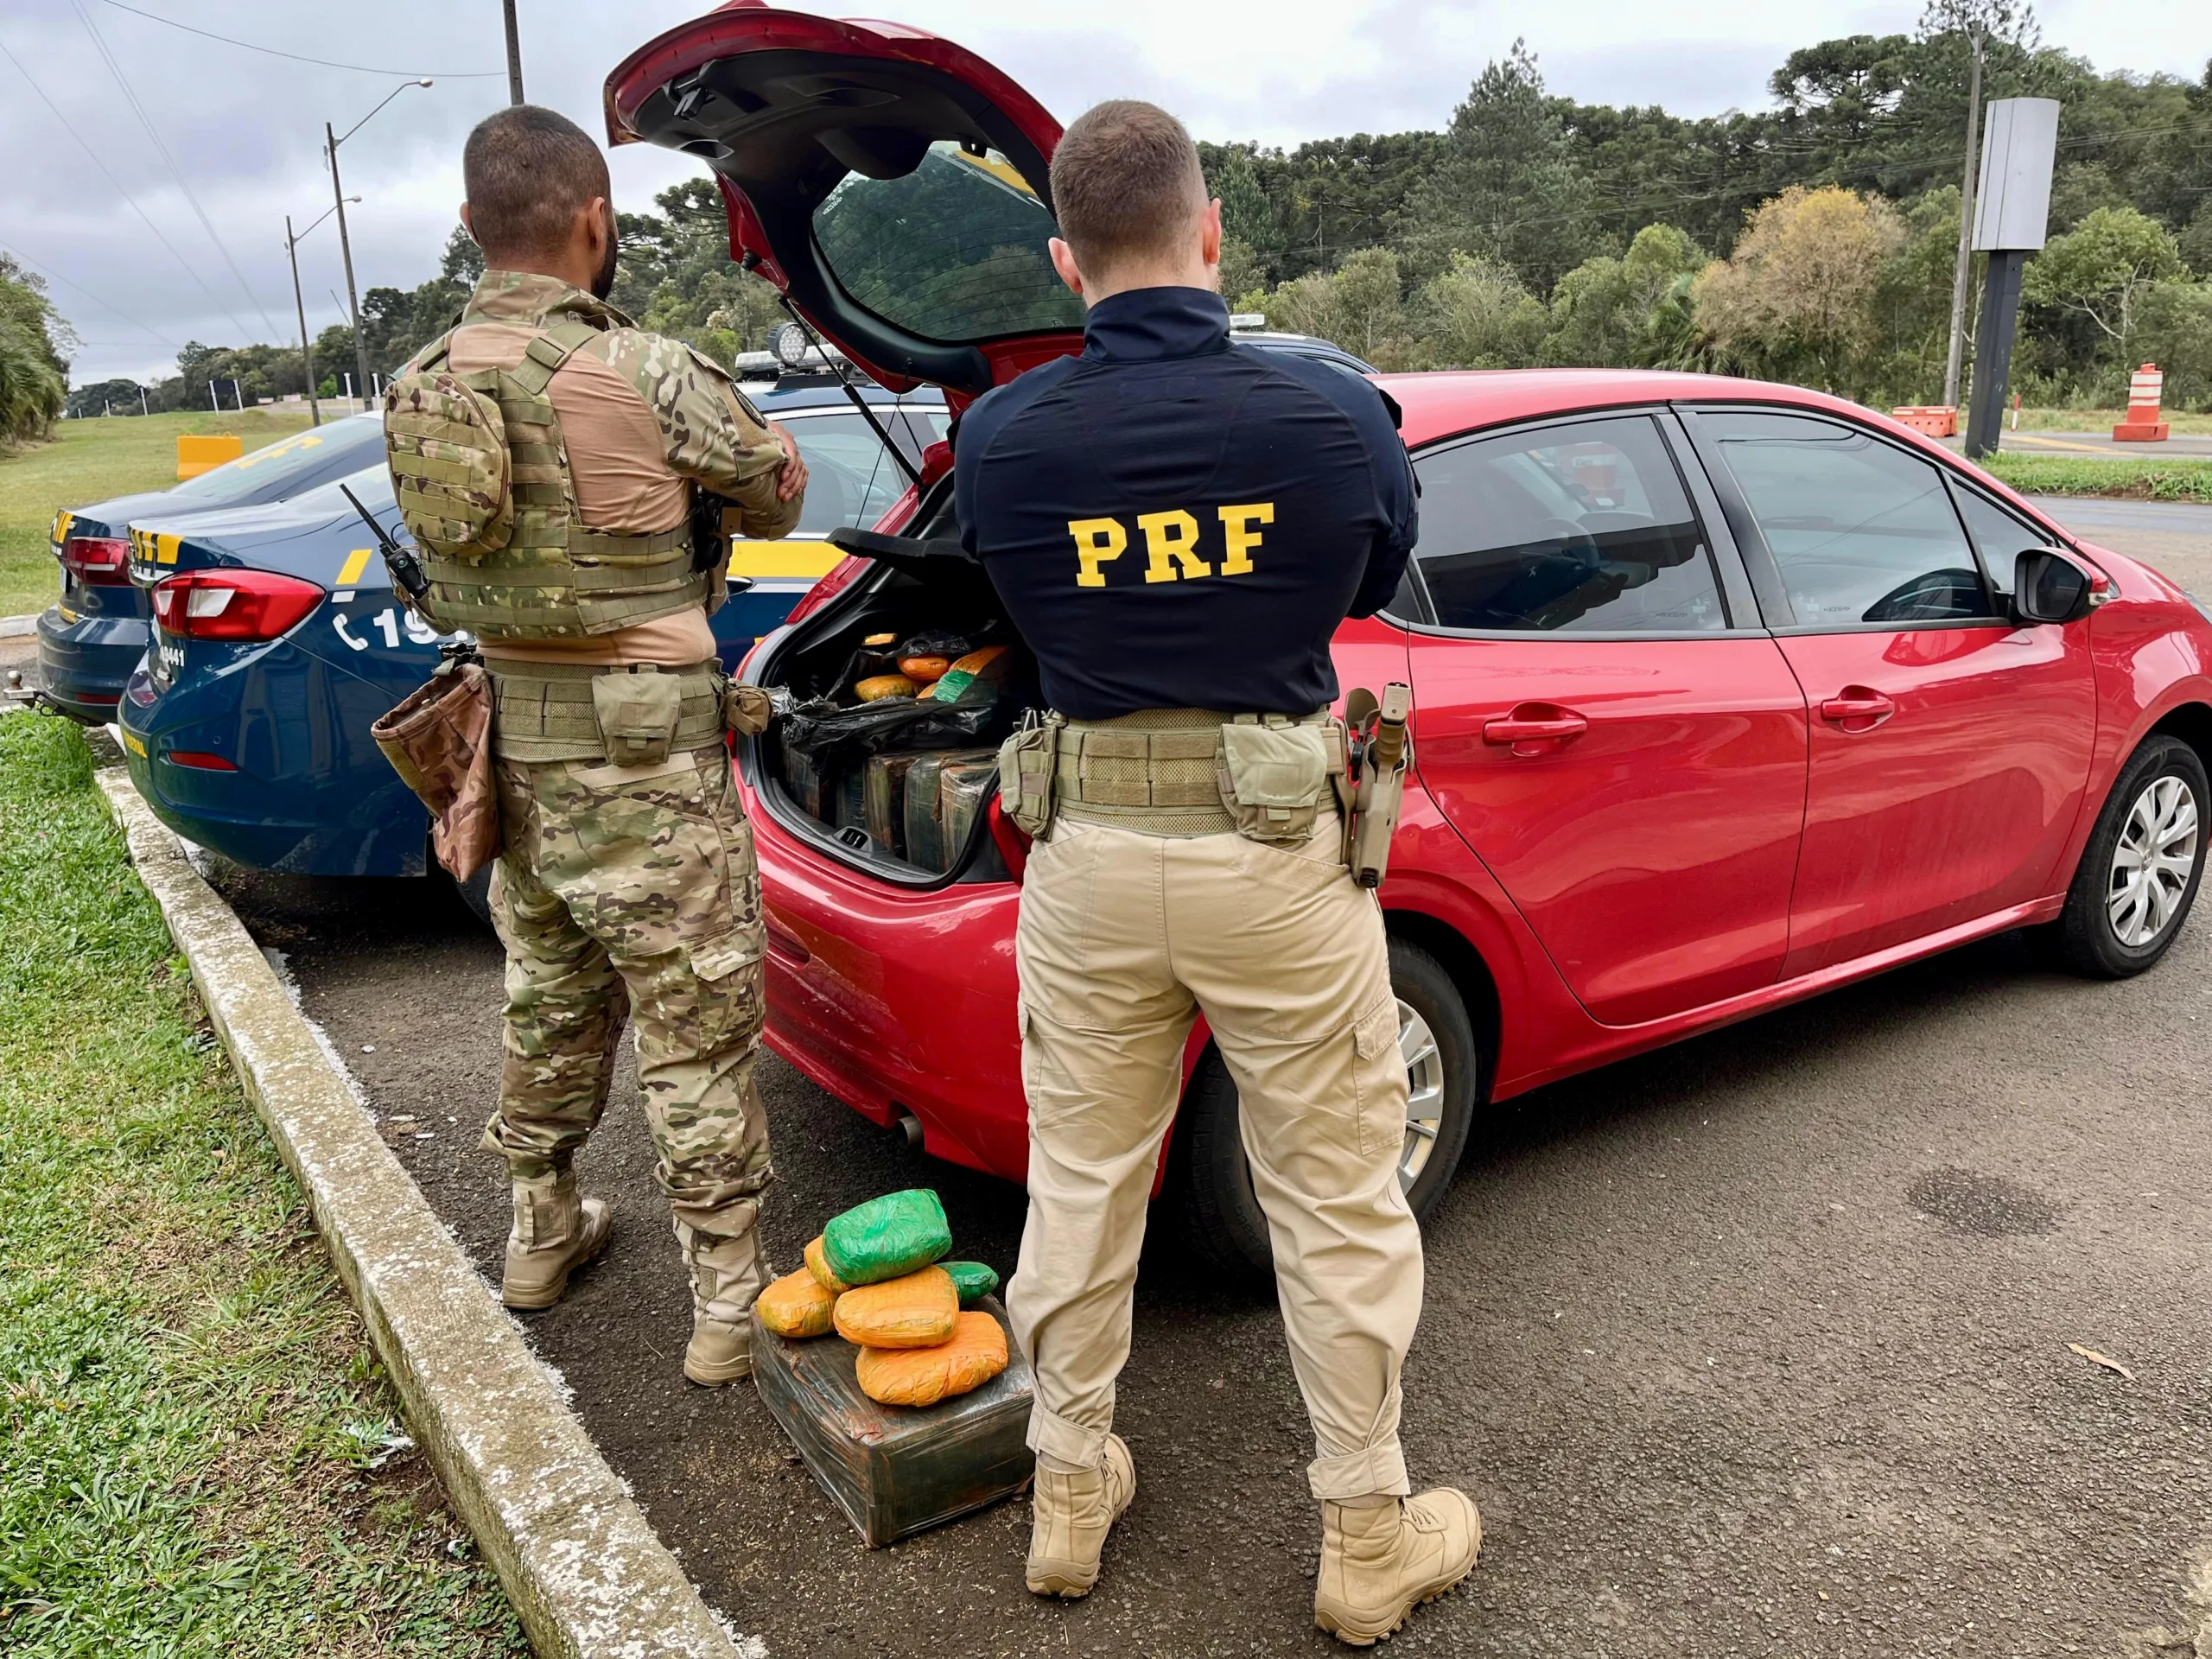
x=1374 y=777
x=710 y=545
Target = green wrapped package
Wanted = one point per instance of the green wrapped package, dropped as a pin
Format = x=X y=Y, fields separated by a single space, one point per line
x=972 y=1279
x=898 y=1233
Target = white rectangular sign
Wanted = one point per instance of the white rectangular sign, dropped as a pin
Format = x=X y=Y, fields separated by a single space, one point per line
x=2011 y=206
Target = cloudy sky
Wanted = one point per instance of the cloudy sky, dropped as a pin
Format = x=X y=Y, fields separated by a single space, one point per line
x=93 y=191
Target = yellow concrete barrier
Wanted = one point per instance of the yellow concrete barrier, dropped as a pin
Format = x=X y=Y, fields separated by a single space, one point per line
x=198 y=455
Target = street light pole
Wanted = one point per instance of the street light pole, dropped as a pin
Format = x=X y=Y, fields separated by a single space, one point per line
x=345 y=243
x=514 y=57
x=307 y=352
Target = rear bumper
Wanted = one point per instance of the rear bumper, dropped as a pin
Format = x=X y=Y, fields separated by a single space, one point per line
x=84 y=662
x=311 y=794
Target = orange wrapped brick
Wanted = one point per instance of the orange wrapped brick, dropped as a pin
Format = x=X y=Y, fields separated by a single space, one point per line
x=922 y=1376
x=818 y=1265
x=917 y=1309
x=796 y=1306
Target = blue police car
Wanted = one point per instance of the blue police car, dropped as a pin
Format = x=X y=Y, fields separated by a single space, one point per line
x=276 y=641
x=92 y=636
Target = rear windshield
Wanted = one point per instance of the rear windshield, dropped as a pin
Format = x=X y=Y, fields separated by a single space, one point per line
x=953 y=250
x=322 y=452
x=850 y=480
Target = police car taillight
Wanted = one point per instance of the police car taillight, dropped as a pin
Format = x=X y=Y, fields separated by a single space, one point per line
x=240 y=605
x=97 y=561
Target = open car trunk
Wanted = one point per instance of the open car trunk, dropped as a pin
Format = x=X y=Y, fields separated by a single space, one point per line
x=901 y=786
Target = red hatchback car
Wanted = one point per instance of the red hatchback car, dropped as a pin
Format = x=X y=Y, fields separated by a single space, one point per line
x=1724 y=693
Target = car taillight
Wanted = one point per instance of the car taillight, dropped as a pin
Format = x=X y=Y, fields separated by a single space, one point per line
x=97 y=561
x=235 y=605
x=841 y=576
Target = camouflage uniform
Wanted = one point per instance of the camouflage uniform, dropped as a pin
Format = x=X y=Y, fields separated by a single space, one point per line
x=631 y=892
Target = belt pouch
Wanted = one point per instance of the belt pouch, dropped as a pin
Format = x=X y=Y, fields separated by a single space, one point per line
x=1272 y=778
x=1027 y=761
x=637 y=709
x=439 y=741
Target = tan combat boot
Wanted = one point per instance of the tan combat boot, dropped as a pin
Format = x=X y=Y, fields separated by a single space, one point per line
x=1378 y=1560
x=1070 y=1515
x=554 y=1233
x=725 y=1276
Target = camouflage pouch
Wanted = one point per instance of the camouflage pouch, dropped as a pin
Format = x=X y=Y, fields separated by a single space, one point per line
x=746 y=709
x=1027 y=764
x=1272 y=776
x=637 y=709
x=439 y=741
x=446 y=441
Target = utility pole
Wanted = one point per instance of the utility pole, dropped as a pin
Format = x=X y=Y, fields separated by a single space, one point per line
x=514 y=56
x=307 y=352
x=1962 y=272
x=143 y=409
x=346 y=249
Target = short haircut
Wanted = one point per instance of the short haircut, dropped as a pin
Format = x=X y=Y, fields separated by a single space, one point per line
x=527 y=170
x=1125 y=183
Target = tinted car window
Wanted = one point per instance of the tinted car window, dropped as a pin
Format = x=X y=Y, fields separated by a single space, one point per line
x=1582 y=528
x=1861 y=531
x=851 y=481
x=331 y=450
x=953 y=250
x=2001 y=536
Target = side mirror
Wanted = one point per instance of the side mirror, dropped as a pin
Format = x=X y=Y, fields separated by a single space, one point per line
x=2049 y=585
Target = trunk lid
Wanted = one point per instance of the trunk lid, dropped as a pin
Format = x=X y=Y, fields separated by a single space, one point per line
x=894 y=184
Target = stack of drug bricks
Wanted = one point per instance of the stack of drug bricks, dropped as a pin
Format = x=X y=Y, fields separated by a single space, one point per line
x=874 y=1276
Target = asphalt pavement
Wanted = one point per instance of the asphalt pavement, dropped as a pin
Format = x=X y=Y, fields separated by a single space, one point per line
x=1874 y=1326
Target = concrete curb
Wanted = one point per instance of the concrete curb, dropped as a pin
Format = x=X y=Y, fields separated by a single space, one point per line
x=15 y=627
x=574 y=1554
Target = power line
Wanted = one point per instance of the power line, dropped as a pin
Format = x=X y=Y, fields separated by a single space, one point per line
x=448 y=75
x=183 y=263
x=56 y=276
x=176 y=173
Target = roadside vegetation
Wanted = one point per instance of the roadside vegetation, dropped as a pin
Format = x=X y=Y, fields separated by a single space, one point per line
x=2178 y=479
x=2184 y=423
x=199 y=1454
x=88 y=460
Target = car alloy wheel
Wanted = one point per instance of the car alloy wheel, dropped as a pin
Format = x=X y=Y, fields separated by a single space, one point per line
x=2152 y=863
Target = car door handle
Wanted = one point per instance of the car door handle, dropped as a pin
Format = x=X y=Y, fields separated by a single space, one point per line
x=1535 y=724
x=1856 y=703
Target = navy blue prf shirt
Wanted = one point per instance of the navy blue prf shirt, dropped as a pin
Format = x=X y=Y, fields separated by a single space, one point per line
x=1174 y=521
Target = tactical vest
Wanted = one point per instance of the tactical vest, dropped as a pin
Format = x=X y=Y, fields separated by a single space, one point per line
x=482 y=476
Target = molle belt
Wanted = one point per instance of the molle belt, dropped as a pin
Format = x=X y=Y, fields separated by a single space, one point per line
x=546 y=711
x=1156 y=771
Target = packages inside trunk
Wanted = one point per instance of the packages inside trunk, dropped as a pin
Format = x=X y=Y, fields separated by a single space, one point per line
x=891 y=739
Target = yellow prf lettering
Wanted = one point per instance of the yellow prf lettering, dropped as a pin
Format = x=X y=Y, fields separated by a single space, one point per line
x=1170 y=536
x=1096 y=542
x=1237 y=532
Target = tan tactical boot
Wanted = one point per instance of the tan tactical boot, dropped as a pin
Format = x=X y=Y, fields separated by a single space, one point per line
x=1070 y=1515
x=554 y=1233
x=1377 y=1561
x=725 y=1276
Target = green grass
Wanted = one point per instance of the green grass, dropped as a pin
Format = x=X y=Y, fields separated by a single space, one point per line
x=2183 y=422
x=196 y=1443
x=2177 y=479
x=88 y=462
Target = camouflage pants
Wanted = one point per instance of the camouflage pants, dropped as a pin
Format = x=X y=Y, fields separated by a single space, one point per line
x=617 y=895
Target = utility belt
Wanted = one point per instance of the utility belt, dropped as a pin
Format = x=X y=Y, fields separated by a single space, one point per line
x=626 y=716
x=442 y=738
x=1198 y=771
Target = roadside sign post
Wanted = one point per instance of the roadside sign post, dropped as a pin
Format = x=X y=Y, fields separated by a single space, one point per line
x=2012 y=217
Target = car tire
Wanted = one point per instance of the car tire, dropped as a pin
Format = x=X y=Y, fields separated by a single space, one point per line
x=1221 y=1219
x=2119 y=918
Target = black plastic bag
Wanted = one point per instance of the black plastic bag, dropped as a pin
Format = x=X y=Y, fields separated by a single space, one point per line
x=819 y=727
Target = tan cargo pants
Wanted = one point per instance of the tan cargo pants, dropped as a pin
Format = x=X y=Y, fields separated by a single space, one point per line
x=1122 y=937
